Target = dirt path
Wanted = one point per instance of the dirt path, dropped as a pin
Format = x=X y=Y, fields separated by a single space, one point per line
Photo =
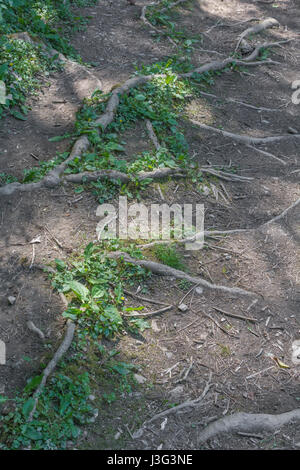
x=244 y=377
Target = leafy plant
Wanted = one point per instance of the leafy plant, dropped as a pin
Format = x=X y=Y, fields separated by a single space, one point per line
x=169 y=256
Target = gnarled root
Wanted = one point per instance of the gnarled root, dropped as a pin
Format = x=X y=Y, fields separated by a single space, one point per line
x=247 y=422
x=164 y=270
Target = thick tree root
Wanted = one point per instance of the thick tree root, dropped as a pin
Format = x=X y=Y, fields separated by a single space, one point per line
x=164 y=270
x=246 y=422
x=263 y=25
x=53 y=178
x=155 y=174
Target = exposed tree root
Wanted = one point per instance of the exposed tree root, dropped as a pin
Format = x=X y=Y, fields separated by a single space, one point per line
x=263 y=25
x=31 y=326
x=248 y=140
x=283 y=214
x=214 y=233
x=267 y=154
x=152 y=134
x=164 y=270
x=155 y=174
x=245 y=139
x=147 y=22
x=63 y=348
x=241 y=103
x=187 y=404
x=53 y=178
x=247 y=422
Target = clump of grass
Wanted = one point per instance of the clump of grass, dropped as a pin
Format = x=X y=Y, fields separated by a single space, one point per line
x=169 y=256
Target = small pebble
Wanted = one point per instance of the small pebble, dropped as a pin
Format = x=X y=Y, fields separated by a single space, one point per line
x=183 y=307
x=11 y=300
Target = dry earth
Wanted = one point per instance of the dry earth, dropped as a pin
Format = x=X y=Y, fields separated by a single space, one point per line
x=243 y=376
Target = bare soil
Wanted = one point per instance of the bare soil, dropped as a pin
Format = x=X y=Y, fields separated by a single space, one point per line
x=267 y=262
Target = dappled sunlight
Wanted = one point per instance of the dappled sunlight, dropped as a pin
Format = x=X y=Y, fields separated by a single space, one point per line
x=156 y=324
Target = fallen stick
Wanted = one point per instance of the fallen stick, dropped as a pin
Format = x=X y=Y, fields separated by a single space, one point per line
x=164 y=270
x=184 y=376
x=219 y=326
x=247 y=422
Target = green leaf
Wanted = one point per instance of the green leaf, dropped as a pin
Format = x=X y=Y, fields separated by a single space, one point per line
x=69 y=315
x=28 y=407
x=33 y=434
x=33 y=383
x=88 y=250
x=98 y=292
x=60 y=265
x=58 y=138
x=140 y=97
x=18 y=115
x=79 y=289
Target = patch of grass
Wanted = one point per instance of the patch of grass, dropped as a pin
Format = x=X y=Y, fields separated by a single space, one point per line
x=162 y=16
x=93 y=285
x=22 y=63
x=6 y=179
x=169 y=256
x=63 y=406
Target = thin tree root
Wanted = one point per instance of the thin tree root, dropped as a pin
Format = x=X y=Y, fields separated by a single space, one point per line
x=241 y=103
x=147 y=22
x=164 y=270
x=247 y=422
x=214 y=233
x=152 y=134
x=31 y=326
x=149 y=314
x=187 y=404
x=63 y=348
x=248 y=140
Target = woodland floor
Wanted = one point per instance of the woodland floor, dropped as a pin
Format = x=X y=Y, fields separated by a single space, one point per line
x=267 y=263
